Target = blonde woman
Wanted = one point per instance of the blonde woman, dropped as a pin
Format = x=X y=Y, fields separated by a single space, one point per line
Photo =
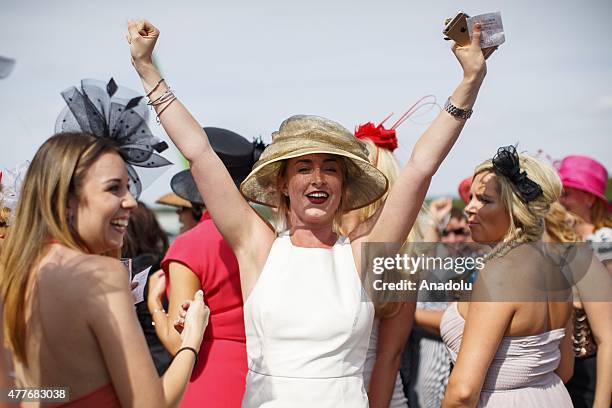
x=494 y=338
x=307 y=326
x=69 y=317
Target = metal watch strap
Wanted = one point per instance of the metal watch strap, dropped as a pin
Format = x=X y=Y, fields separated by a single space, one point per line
x=457 y=112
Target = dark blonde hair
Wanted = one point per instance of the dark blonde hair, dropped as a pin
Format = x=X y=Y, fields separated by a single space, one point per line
x=559 y=224
x=526 y=217
x=5 y=215
x=56 y=174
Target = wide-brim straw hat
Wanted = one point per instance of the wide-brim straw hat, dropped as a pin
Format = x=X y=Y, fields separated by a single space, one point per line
x=304 y=134
x=173 y=200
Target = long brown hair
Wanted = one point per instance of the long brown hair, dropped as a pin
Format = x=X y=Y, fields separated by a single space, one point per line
x=56 y=174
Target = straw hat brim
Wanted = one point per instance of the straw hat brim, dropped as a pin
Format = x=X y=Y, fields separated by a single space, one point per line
x=173 y=200
x=364 y=183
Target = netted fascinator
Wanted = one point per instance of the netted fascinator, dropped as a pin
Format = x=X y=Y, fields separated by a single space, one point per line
x=506 y=162
x=10 y=187
x=98 y=109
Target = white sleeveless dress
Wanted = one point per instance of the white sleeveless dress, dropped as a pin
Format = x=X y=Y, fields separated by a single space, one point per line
x=307 y=328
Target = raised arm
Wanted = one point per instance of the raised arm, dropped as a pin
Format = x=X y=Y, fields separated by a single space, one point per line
x=236 y=220
x=406 y=197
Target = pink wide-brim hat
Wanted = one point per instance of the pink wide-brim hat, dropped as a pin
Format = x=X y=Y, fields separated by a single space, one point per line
x=584 y=173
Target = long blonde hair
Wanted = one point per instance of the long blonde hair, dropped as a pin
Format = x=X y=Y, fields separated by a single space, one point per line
x=559 y=224
x=55 y=175
x=526 y=218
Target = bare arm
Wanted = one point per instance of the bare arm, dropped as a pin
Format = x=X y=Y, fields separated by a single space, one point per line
x=124 y=348
x=594 y=289
x=429 y=320
x=406 y=197
x=246 y=233
x=484 y=329
x=393 y=334
x=565 y=370
x=183 y=285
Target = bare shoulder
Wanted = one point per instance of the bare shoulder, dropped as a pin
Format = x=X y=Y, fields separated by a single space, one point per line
x=75 y=274
x=514 y=277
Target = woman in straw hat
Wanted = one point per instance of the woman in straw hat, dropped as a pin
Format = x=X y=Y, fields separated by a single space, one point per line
x=306 y=324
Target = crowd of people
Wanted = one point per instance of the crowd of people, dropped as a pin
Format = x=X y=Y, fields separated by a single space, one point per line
x=268 y=308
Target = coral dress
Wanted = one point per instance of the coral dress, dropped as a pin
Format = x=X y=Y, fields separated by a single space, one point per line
x=522 y=373
x=218 y=379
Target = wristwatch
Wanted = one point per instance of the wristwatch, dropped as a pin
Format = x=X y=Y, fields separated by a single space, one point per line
x=457 y=112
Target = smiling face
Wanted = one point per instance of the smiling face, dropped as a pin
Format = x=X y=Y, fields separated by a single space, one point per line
x=100 y=213
x=488 y=217
x=313 y=184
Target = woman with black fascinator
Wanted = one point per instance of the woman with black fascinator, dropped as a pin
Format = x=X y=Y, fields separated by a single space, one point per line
x=68 y=310
x=511 y=344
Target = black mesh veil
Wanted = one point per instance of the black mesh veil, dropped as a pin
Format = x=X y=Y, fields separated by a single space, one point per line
x=119 y=114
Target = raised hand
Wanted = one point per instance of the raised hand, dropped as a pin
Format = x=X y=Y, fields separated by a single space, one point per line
x=141 y=36
x=470 y=56
x=439 y=209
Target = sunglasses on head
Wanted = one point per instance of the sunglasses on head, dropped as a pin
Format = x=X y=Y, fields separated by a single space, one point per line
x=456 y=231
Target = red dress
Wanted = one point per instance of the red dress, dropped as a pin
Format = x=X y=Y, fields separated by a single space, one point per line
x=219 y=378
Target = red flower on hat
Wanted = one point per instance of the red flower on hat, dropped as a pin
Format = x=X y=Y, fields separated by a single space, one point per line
x=385 y=138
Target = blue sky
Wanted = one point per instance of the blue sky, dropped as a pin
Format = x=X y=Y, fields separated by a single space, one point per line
x=248 y=65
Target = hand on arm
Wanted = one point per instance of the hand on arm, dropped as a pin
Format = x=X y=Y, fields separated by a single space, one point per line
x=184 y=285
x=113 y=321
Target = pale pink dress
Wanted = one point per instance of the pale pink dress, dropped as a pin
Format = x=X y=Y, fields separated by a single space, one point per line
x=522 y=371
